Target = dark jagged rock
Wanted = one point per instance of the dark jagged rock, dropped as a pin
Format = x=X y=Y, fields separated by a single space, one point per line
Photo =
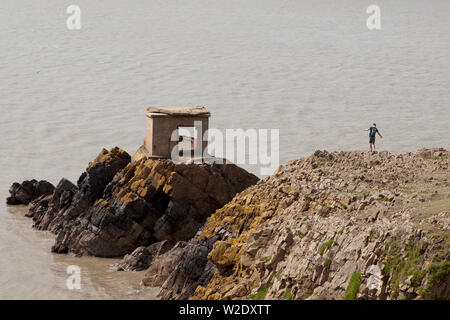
x=150 y=201
x=27 y=191
x=44 y=209
x=68 y=210
x=118 y=205
x=142 y=257
x=182 y=269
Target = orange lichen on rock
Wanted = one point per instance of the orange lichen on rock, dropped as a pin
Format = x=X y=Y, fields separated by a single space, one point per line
x=119 y=205
x=309 y=227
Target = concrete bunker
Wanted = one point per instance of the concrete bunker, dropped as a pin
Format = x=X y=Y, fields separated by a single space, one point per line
x=173 y=127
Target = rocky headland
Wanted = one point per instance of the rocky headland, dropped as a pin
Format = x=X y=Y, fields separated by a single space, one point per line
x=118 y=205
x=341 y=225
x=335 y=225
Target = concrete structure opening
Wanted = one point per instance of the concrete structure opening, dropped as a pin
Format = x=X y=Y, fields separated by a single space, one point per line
x=171 y=127
x=187 y=141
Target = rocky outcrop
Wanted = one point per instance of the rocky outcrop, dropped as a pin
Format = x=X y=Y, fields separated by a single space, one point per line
x=340 y=225
x=141 y=258
x=119 y=205
x=25 y=192
x=182 y=269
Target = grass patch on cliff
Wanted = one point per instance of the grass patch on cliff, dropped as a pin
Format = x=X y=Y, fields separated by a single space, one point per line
x=438 y=273
x=325 y=246
x=372 y=234
x=436 y=201
x=320 y=162
x=436 y=206
x=402 y=262
x=288 y=294
x=424 y=211
x=261 y=294
x=300 y=234
x=353 y=286
x=440 y=158
x=327 y=263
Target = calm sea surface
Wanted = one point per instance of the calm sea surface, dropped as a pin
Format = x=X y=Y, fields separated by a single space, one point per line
x=309 y=68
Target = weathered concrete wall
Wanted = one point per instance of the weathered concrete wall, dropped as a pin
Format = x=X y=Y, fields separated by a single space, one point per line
x=159 y=130
x=148 y=140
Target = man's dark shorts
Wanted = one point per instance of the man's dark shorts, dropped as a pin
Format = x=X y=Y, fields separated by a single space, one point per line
x=371 y=139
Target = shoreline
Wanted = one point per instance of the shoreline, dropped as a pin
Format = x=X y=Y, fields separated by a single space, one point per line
x=46 y=278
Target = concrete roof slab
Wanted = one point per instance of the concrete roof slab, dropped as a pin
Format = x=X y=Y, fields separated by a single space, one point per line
x=179 y=111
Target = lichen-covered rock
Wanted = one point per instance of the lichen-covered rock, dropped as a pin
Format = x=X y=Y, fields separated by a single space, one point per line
x=340 y=225
x=27 y=191
x=119 y=205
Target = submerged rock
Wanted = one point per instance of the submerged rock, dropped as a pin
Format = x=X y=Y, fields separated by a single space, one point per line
x=119 y=205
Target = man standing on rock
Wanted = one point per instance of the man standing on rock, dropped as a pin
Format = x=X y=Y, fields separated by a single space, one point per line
x=372 y=132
